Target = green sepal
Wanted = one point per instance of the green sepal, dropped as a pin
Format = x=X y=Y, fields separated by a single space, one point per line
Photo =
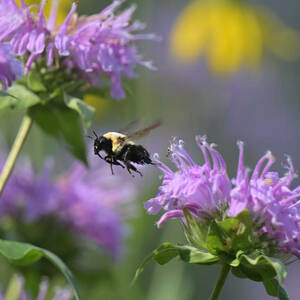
x=85 y=111
x=168 y=251
x=258 y=267
x=195 y=232
x=229 y=236
x=24 y=254
x=59 y=122
x=34 y=82
x=273 y=288
x=18 y=97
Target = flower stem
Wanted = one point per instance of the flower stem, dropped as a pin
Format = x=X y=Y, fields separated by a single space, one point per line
x=220 y=283
x=15 y=151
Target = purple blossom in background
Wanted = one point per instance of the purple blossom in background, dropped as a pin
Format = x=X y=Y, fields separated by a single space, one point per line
x=89 y=45
x=60 y=293
x=36 y=195
x=207 y=193
x=90 y=204
x=10 y=68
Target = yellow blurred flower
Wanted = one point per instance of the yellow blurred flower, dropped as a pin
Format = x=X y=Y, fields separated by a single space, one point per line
x=231 y=33
x=63 y=8
x=100 y=104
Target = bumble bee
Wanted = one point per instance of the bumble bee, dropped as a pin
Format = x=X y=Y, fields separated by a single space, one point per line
x=119 y=148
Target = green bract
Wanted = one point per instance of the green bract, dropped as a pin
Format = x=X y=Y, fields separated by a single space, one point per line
x=231 y=241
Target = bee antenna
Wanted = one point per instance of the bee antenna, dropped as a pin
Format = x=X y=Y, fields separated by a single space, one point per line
x=90 y=137
x=95 y=134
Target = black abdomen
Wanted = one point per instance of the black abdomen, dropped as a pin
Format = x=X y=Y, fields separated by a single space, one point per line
x=135 y=153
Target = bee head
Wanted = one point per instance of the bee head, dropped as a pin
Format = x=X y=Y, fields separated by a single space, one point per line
x=102 y=143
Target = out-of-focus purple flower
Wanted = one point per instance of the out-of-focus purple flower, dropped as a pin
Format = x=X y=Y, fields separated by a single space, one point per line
x=207 y=193
x=10 y=67
x=25 y=31
x=203 y=189
x=64 y=293
x=31 y=194
x=101 y=44
x=92 y=205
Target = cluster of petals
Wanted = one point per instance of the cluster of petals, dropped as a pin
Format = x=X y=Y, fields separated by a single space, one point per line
x=91 y=45
x=88 y=203
x=206 y=191
x=203 y=189
x=10 y=67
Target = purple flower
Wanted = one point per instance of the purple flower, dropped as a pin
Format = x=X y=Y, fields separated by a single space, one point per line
x=60 y=293
x=270 y=198
x=101 y=44
x=26 y=32
x=10 y=68
x=31 y=194
x=203 y=189
x=91 y=204
x=208 y=194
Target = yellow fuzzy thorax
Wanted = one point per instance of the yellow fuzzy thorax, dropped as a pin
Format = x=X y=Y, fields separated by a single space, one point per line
x=118 y=140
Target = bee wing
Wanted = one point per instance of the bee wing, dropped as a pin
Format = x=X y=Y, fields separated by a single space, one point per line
x=143 y=132
x=130 y=127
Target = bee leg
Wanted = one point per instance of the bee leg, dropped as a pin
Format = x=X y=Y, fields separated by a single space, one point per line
x=99 y=155
x=129 y=167
x=112 y=171
x=113 y=161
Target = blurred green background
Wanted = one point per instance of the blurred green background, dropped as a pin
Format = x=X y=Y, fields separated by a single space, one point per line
x=257 y=105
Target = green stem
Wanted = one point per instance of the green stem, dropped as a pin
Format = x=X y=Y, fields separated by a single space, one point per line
x=220 y=283
x=15 y=151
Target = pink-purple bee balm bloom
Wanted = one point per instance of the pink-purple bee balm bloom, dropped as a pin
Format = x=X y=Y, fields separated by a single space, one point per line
x=206 y=191
x=10 y=67
x=90 y=203
x=90 y=46
x=203 y=189
x=271 y=200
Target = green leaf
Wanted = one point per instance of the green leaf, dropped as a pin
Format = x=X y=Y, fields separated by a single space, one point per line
x=168 y=251
x=273 y=288
x=18 y=97
x=216 y=239
x=25 y=254
x=161 y=255
x=259 y=267
x=278 y=266
x=61 y=122
x=193 y=255
x=239 y=231
x=34 y=81
x=85 y=111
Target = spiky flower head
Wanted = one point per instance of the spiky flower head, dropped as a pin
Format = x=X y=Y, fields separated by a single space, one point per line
x=205 y=193
x=86 y=46
x=87 y=203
